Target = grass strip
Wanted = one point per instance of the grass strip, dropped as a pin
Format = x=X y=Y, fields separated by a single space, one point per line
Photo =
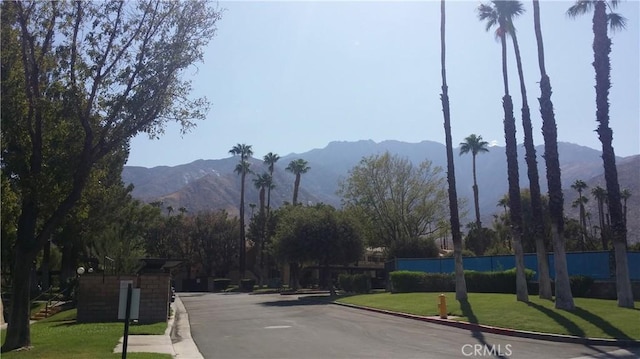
x=592 y=318
x=59 y=336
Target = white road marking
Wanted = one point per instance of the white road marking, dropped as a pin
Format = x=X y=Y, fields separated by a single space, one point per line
x=278 y=327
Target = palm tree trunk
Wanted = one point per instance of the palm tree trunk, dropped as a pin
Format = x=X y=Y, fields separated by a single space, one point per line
x=564 y=298
x=242 y=256
x=296 y=186
x=476 y=200
x=534 y=183
x=602 y=66
x=461 y=286
x=513 y=179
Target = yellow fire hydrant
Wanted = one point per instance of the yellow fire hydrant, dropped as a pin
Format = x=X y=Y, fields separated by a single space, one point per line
x=442 y=306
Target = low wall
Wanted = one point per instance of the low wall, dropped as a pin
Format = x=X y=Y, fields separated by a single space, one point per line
x=98 y=297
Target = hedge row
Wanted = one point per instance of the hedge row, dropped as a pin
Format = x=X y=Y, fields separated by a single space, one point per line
x=479 y=282
x=358 y=283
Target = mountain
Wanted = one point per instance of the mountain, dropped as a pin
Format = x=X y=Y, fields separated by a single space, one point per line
x=212 y=184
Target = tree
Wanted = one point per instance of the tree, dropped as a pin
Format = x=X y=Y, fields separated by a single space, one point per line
x=214 y=236
x=600 y=195
x=498 y=14
x=262 y=182
x=402 y=202
x=514 y=9
x=579 y=186
x=85 y=77
x=625 y=194
x=564 y=298
x=297 y=167
x=270 y=160
x=318 y=234
x=454 y=217
x=602 y=66
x=474 y=144
x=242 y=168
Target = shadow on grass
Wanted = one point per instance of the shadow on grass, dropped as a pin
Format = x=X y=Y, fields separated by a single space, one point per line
x=601 y=323
x=569 y=325
x=465 y=306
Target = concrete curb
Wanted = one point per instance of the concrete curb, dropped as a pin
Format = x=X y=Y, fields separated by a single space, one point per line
x=500 y=331
x=180 y=333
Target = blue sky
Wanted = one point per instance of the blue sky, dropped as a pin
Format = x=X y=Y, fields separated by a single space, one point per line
x=288 y=77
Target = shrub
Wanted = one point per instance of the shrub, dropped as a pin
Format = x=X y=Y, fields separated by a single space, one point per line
x=358 y=283
x=408 y=281
x=478 y=282
x=246 y=285
x=221 y=284
x=494 y=282
x=580 y=285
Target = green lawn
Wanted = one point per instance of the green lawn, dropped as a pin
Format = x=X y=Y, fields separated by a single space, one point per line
x=61 y=337
x=592 y=318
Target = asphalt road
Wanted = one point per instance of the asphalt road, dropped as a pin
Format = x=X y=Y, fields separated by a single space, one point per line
x=242 y=326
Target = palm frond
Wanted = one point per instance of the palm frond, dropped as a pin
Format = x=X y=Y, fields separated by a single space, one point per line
x=616 y=21
x=580 y=7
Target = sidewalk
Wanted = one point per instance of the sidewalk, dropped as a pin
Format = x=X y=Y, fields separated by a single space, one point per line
x=176 y=340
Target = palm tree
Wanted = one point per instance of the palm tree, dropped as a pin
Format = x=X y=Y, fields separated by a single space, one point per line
x=602 y=65
x=270 y=160
x=262 y=182
x=498 y=15
x=579 y=186
x=297 y=167
x=511 y=10
x=242 y=169
x=564 y=298
x=461 y=285
x=600 y=194
x=475 y=145
x=625 y=194
x=504 y=203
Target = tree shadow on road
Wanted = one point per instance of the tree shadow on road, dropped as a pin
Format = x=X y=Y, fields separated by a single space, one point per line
x=467 y=311
x=295 y=302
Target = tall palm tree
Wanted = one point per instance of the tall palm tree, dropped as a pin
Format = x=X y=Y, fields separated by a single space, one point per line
x=579 y=186
x=602 y=65
x=600 y=195
x=297 y=167
x=242 y=168
x=270 y=160
x=474 y=144
x=454 y=219
x=497 y=15
x=625 y=194
x=262 y=183
x=564 y=298
x=513 y=9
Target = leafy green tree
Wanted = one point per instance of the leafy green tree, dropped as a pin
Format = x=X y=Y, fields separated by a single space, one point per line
x=80 y=80
x=475 y=145
x=298 y=168
x=242 y=168
x=401 y=201
x=479 y=239
x=500 y=14
x=454 y=216
x=602 y=66
x=214 y=236
x=316 y=234
x=564 y=298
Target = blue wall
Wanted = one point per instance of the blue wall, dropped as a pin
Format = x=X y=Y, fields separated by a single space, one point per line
x=597 y=265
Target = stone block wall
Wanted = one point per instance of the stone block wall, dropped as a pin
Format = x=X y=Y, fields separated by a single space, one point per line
x=98 y=297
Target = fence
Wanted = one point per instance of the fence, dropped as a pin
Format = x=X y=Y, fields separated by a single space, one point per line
x=597 y=265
